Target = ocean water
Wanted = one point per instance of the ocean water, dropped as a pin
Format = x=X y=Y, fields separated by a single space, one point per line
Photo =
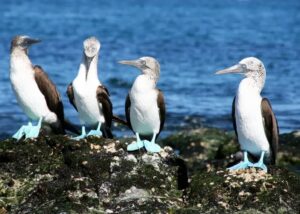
x=191 y=40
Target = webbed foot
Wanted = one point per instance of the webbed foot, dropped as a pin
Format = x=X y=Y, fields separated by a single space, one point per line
x=152 y=146
x=33 y=131
x=242 y=165
x=83 y=134
x=96 y=132
x=136 y=145
x=260 y=164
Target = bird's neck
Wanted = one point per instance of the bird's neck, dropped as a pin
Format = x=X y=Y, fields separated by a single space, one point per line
x=19 y=61
x=143 y=83
x=88 y=73
x=250 y=87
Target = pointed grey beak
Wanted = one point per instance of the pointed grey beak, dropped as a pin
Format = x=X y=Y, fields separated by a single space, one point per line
x=31 y=41
x=238 y=68
x=136 y=63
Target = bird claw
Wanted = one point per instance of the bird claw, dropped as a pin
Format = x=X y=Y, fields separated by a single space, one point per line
x=241 y=165
x=20 y=133
x=151 y=146
x=136 y=145
x=33 y=132
x=96 y=133
x=80 y=137
x=260 y=165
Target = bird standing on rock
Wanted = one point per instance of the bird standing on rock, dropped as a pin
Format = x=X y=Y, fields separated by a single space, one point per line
x=88 y=96
x=253 y=119
x=35 y=92
x=145 y=106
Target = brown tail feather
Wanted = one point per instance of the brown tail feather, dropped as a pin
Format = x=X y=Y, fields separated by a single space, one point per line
x=71 y=127
x=119 y=120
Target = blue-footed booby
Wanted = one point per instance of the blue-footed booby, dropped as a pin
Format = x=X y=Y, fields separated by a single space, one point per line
x=35 y=92
x=253 y=119
x=145 y=106
x=88 y=96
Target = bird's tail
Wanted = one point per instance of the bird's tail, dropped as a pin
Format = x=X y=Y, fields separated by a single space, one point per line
x=71 y=127
x=119 y=120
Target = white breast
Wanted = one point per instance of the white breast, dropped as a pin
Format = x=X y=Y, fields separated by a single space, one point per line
x=28 y=95
x=144 y=112
x=249 y=121
x=90 y=111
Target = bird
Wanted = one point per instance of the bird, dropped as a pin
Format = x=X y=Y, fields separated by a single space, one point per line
x=89 y=96
x=145 y=106
x=254 y=121
x=35 y=92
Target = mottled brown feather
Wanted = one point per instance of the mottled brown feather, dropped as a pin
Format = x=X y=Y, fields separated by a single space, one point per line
x=50 y=93
x=103 y=98
x=271 y=127
x=70 y=94
x=233 y=116
x=127 y=111
x=162 y=109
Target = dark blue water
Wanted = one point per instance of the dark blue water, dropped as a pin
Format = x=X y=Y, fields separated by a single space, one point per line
x=191 y=40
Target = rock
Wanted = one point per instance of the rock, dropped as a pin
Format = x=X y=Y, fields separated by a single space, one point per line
x=204 y=148
x=212 y=149
x=60 y=175
x=247 y=191
x=91 y=176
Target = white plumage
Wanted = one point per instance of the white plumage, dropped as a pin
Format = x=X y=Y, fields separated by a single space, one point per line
x=144 y=112
x=90 y=111
x=249 y=119
x=29 y=96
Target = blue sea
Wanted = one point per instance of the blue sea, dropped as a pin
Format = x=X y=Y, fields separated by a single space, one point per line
x=191 y=39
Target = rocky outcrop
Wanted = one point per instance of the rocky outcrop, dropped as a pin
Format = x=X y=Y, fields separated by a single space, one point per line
x=93 y=176
x=59 y=175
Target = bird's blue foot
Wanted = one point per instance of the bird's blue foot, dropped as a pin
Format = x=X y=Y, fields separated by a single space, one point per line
x=138 y=144
x=33 y=131
x=151 y=146
x=135 y=146
x=242 y=165
x=21 y=132
x=260 y=164
x=29 y=131
x=83 y=134
x=96 y=132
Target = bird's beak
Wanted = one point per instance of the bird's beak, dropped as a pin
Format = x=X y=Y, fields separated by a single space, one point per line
x=136 y=63
x=88 y=61
x=31 y=41
x=233 y=69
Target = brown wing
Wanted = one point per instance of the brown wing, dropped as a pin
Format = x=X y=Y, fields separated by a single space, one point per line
x=233 y=116
x=103 y=98
x=70 y=94
x=162 y=109
x=127 y=111
x=271 y=127
x=50 y=92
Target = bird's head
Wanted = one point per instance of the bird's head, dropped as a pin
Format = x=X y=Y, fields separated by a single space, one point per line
x=91 y=47
x=23 y=42
x=250 y=67
x=147 y=65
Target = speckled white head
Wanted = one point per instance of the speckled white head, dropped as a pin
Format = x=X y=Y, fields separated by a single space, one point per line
x=148 y=65
x=251 y=67
x=91 y=47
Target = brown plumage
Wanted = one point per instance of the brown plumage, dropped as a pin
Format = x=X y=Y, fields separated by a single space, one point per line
x=53 y=100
